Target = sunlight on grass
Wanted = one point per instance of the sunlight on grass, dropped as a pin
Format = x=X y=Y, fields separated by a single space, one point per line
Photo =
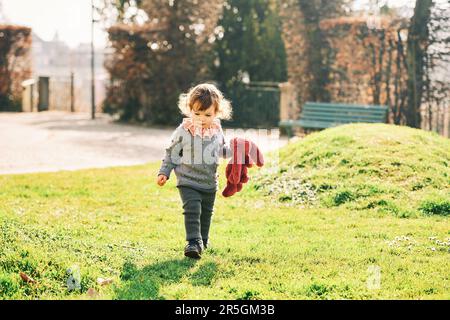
x=117 y=223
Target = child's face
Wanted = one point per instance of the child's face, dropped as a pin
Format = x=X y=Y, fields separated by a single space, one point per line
x=203 y=118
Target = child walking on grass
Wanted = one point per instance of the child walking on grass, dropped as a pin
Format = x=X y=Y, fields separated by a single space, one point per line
x=196 y=146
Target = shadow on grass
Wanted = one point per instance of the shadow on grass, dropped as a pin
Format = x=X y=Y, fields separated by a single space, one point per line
x=145 y=283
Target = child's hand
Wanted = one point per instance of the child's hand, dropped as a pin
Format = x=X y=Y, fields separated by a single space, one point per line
x=161 y=180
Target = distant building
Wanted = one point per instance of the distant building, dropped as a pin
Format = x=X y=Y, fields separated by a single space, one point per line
x=3 y=18
x=55 y=59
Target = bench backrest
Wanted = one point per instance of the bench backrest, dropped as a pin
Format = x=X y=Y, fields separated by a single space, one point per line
x=335 y=113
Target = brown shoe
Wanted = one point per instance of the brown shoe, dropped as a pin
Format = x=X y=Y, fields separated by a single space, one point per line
x=194 y=249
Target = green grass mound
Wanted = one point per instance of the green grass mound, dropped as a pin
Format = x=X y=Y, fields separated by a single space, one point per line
x=387 y=168
x=68 y=229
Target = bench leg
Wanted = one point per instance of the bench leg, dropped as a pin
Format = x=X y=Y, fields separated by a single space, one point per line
x=289 y=132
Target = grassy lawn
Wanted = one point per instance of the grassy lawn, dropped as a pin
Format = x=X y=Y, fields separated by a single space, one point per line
x=362 y=198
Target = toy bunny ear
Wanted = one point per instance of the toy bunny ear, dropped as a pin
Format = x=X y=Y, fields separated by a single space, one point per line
x=236 y=173
x=239 y=150
x=244 y=176
x=256 y=155
x=228 y=172
x=248 y=162
x=236 y=161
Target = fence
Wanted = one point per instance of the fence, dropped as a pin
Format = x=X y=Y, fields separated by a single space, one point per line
x=436 y=118
x=63 y=93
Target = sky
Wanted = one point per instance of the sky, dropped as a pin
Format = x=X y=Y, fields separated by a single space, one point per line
x=72 y=18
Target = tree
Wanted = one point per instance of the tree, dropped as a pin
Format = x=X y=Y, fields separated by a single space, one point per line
x=437 y=63
x=118 y=11
x=161 y=58
x=417 y=46
x=15 y=63
x=315 y=11
x=308 y=56
x=249 y=42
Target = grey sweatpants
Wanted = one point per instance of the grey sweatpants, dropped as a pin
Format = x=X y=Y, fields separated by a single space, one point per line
x=197 y=210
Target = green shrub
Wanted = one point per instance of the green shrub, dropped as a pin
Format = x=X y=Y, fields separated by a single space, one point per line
x=8 y=287
x=343 y=197
x=436 y=207
x=319 y=290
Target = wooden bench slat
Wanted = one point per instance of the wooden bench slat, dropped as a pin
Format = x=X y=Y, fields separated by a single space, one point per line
x=349 y=106
x=335 y=121
x=341 y=120
x=307 y=122
x=344 y=110
x=326 y=116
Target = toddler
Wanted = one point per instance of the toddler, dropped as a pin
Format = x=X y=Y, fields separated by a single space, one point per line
x=196 y=146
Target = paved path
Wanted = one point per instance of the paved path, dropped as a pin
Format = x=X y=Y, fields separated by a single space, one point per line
x=53 y=141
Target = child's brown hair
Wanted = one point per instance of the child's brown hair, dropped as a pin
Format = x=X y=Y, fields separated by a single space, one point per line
x=203 y=96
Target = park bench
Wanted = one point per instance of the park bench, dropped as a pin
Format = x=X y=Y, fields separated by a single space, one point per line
x=319 y=115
